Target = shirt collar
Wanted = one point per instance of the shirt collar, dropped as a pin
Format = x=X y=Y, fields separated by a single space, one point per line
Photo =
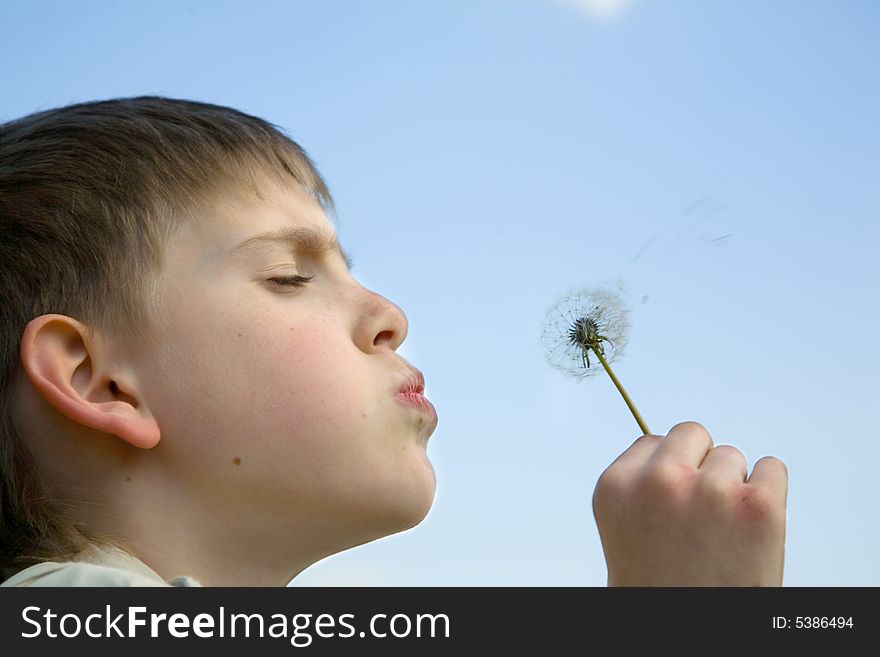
x=117 y=558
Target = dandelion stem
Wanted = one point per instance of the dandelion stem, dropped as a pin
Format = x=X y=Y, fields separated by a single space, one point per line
x=632 y=407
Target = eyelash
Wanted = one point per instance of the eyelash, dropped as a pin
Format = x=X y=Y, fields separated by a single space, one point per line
x=292 y=281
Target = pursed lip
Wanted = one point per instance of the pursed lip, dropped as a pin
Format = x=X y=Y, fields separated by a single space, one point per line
x=415 y=382
x=412 y=393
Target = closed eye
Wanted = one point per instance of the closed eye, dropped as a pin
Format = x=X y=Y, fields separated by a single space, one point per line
x=292 y=281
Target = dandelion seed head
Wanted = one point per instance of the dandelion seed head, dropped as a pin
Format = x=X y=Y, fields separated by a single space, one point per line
x=581 y=323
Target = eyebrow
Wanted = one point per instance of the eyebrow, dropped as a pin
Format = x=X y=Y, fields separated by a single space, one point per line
x=313 y=240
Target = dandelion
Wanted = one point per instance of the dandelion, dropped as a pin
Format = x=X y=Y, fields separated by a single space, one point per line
x=593 y=321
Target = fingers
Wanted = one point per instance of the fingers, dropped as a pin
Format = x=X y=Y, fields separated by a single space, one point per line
x=686 y=442
x=690 y=444
x=638 y=454
x=624 y=470
x=770 y=473
x=725 y=462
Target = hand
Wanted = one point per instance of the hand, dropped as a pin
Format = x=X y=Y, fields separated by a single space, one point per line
x=676 y=511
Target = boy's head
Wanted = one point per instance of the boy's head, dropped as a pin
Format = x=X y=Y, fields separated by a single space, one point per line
x=170 y=384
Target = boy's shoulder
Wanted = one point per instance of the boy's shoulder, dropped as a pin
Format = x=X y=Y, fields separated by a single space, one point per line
x=101 y=567
x=71 y=573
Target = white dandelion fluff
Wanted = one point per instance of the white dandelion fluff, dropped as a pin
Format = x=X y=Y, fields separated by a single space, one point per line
x=593 y=322
x=593 y=316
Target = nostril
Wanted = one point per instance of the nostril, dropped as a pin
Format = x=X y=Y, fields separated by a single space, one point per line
x=384 y=336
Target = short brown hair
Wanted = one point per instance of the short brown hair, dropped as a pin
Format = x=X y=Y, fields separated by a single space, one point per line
x=90 y=196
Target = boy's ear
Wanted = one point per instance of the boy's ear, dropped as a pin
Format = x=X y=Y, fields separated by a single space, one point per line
x=74 y=372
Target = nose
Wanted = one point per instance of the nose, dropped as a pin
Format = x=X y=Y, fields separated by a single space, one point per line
x=381 y=324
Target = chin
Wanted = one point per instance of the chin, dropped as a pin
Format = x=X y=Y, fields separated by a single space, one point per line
x=407 y=509
x=401 y=506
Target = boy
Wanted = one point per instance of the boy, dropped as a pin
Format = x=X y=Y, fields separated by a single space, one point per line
x=197 y=392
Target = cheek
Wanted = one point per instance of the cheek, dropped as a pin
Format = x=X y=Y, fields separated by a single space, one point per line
x=271 y=397
x=281 y=410
x=302 y=377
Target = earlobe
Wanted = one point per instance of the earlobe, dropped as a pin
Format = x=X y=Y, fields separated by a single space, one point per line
x=72 y=370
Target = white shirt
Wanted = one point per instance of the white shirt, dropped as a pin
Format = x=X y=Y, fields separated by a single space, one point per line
x=104 y=566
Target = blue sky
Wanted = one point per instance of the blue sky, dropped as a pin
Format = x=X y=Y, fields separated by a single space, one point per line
x=716 y=162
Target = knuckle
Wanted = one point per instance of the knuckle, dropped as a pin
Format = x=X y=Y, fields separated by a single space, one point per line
x=774 y=462
x=690 y=425
x=718 y=491
x=667 y=478
x=731 y=453
x=611 y=491
x=612 y=483
x=729 y=449
x=693 y=431
x=646 y=438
